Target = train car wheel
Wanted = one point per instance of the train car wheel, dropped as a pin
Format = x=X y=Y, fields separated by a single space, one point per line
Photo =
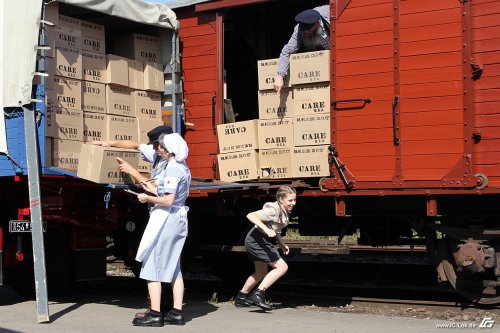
x=471 y=287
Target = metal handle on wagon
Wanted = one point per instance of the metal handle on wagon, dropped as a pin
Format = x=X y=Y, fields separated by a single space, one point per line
x=363 y=100
x=395 y=103
x=214 y=128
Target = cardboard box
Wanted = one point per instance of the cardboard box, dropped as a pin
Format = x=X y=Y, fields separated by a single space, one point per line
x=67 y=62
x=237 y=136
x=311 y=130
x=311 y=99
x=66 y=32
x=136 y=74
x=64 y=93
x=66 y=153
x=166 y=116
x=310 y=161
x=94 y=67
x=138 y=47
x=93 y=37
x=310 y=67
x=153 y=77
x=95 y=126
x=276 y=133
x=98 y=164
x=275 y=163
x=122 y=128
x=65 y=124
x=238 y=166
x=144 y=166
x=49 y=154
x=147 y=105
x=146 y=125
x=93 y=97
x=274 y=105
x=120 y=101
x=69 y=25
x=116 y=70
x=267 y=72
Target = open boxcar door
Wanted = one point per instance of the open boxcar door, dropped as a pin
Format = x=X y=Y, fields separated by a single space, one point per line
x=410 y=124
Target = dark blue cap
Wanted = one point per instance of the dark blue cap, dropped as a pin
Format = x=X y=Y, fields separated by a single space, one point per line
x=307 y=18
x=155 y=133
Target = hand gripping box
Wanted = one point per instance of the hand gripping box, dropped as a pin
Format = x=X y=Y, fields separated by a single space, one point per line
x=267 y=72
x=238 y=166
x=241 y=135
x=98 y=164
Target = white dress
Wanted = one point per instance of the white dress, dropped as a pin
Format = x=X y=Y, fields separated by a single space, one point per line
x=166 y=232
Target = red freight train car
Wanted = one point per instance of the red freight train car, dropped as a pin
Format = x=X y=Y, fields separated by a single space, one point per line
x=415 y=105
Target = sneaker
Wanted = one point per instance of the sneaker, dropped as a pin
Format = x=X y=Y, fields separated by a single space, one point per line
x=241 y=300
x=258 y=297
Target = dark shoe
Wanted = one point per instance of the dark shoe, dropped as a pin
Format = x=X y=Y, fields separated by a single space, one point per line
x=241 y=300
x=151 y=318
x=258 y=297
x=172 y=318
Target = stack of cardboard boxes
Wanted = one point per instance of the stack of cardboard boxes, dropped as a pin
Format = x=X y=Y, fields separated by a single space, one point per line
x=91 y=95
x=309 y=77
x=293 y=128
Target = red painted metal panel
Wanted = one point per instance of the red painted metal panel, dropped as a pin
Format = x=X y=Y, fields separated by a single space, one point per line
x=424 y=6
x=489 y=95
x=430 y=18
x=432 y=132
x=431 y=32
x=371 y=25
x=490 y=158
x=492 y=57
x=364 y=40
x=366 y=53
x=364 y=67
x=432 y=104
x=367 y=80
x=200 y=74
x=426 y=75
x=487 y=8
x=486 y=21
x=431 y=46
x=422 y=61
x=486 y=146
x=486 y=45
x=431 y=89
x=416 y=162
x=376 y=94
x=488 y=82
x=364 y=121
x=486 y=33
x=366 y=135
x=489 y=132
x=198 y=38
x=365 y=149
x=487 y=108
x=199 y=50
x=431 y=116
x=366 y=12
x=199 y=62
x=487 y=120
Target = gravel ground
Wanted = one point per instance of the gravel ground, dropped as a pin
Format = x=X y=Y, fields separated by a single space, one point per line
x=446 y=311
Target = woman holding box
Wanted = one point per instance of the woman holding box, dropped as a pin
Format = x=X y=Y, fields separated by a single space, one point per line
x=162 y=242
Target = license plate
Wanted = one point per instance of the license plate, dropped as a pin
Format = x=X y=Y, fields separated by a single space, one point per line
x=23 y=226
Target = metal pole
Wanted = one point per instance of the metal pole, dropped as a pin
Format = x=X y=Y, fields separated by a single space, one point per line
x=173 y=65
x=36 y=215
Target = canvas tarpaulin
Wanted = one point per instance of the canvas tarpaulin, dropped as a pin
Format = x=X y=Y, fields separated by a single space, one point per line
x=20 y=29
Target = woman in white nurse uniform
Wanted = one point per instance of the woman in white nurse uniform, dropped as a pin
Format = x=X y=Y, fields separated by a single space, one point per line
x=161 y=244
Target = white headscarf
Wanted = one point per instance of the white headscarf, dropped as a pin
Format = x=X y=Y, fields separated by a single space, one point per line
x=176 y=145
